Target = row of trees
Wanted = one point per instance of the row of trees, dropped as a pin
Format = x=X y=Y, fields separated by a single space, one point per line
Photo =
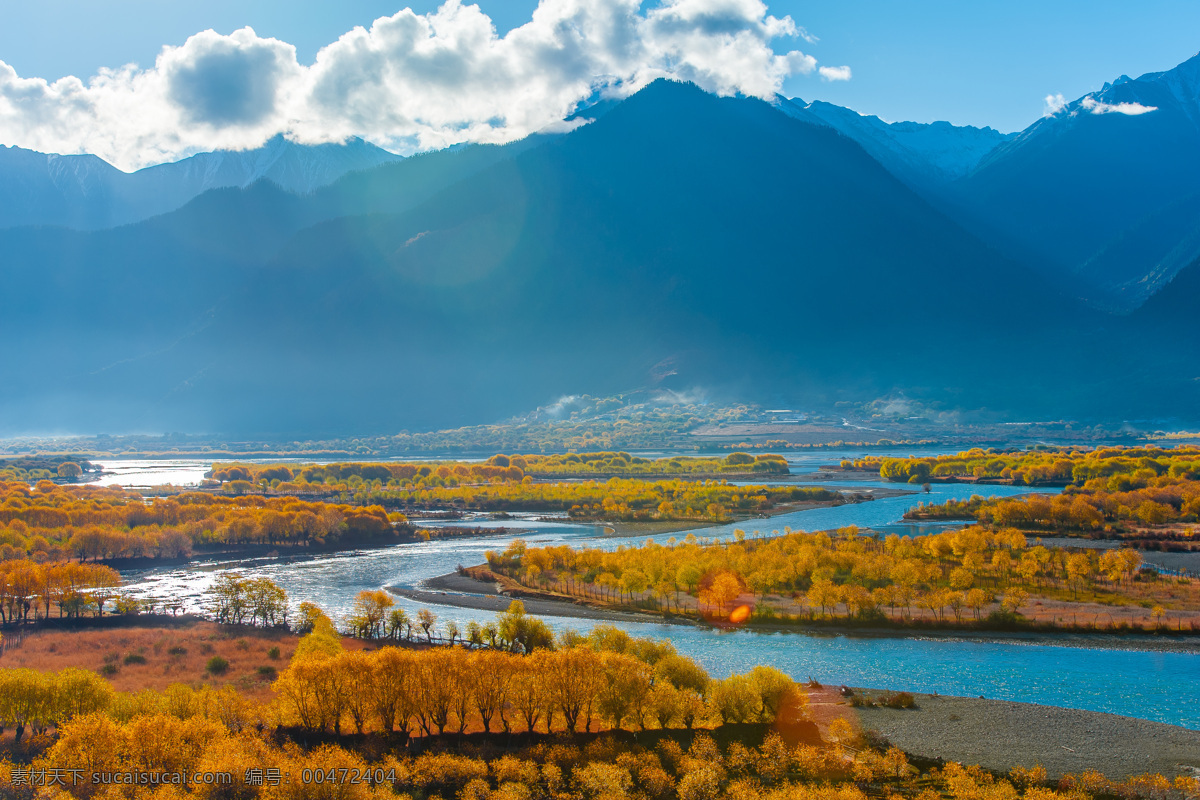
x=375 y=617
x=52 y=522
x=353 y=478
x=1169 y=501
x=1114 y=468
x=31 y=469
x=952 y=571
x=70 y=588
x=605 y=677
x=237 y=600
x=607 y=769
x=39 y=700
x=616 y=499
x=340 y=478
x=235 y=760
x=622 y=463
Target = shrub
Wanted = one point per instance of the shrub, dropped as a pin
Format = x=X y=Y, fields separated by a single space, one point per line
x=217 y=665
x=267 y=672
x=206 y=648
x=177 y=651
x=700 y=784
x=127 y=605
x=242 y=644
x=876 y=740
x=134 y=658
x=273 y=654
x=108 y=670
x=900 y=700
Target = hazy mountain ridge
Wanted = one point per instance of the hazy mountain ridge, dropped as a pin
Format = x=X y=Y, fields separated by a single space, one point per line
x=1099 y=199
x=680 y=237
x=1099 y=196
x=921 y=154
x=85 y=192
x=677 y=239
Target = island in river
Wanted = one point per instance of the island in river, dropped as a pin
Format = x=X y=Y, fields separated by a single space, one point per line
x=972 y=578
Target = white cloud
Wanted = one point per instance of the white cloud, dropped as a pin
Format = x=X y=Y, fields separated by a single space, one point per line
x=835 y=73
x=409 y=82
x=1054 y=104
x=1095 y=106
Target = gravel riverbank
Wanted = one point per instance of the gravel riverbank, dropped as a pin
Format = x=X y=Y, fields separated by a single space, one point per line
x=998 y=734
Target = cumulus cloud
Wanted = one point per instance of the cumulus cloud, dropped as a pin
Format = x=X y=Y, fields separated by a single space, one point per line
x=229 y=80
x=409 y=82
x=1054 y=104
x=835 y=73
x=1094 y=106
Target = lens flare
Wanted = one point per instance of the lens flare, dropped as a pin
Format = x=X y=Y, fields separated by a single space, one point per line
x=739 y=615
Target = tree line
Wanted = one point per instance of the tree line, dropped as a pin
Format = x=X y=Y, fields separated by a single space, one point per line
x=175 y=734
x=1112 y=468
x=616 y=499
x=341 y=477
x=569 y=683
x=973 y=575
x=31 y=469
x=71 y=588
x=622 y=463
x=1165 y=500
x=50 y=522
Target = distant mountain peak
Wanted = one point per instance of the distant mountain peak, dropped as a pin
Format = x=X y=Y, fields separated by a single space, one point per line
x=84 y=191
x=1189 y=67
x=1103 y=189
x=920 y=153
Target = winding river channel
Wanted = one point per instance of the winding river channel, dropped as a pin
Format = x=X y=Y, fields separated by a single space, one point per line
x=1091 y=673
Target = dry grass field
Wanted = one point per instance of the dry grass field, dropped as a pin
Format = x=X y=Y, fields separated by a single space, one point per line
x=150 y=655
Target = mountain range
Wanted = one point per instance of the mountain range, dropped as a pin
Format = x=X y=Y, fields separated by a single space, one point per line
x=1087 y=186
x=86 y=192
x=925 y=155
x=788 y=252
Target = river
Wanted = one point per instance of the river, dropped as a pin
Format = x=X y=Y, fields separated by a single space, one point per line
x=1150 y=684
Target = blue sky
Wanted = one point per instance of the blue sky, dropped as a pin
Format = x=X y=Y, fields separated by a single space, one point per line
x=967 y=62
x=979 y=63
